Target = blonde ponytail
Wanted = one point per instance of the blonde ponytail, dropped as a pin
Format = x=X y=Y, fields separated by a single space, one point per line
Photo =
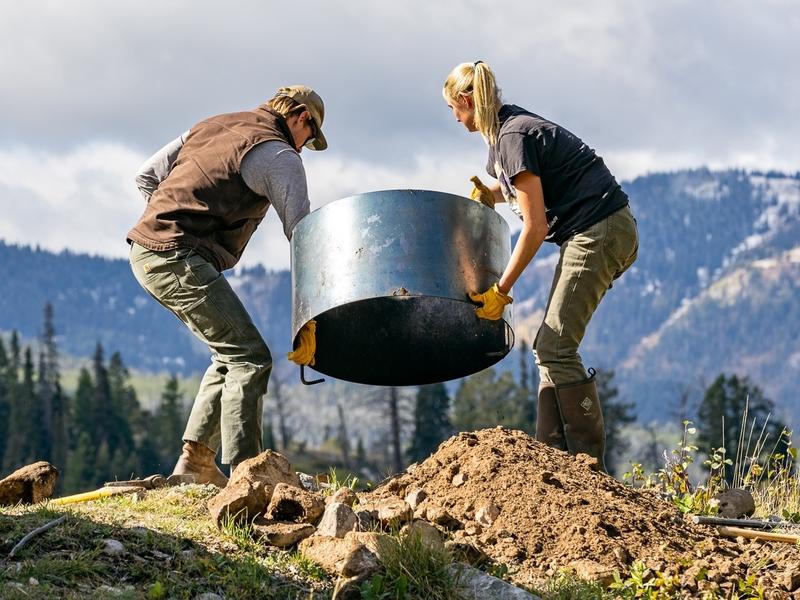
x=477 y=80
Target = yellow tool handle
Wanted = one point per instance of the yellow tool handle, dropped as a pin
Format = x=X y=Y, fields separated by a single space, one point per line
x=96 y=495
x=765 y=536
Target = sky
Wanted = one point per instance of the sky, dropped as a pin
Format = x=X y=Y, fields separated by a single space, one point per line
x=90 y=89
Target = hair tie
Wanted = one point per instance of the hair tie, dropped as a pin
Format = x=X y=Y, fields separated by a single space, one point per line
x=476 y=63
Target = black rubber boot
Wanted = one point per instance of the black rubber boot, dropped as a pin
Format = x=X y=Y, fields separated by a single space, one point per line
x=549 y=428
x=582 y=416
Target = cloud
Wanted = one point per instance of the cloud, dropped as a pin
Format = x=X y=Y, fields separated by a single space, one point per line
x=651 y=86
x=85 y=200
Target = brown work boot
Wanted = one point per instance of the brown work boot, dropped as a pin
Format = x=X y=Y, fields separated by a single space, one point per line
x=549 y=428
x=197 y=460
x=582 y=416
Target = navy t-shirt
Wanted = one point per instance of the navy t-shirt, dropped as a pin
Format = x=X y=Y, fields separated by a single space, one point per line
x=579 y=190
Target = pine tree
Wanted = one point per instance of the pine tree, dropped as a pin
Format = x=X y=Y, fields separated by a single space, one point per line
x=394 y=423
x=361 y=454
x=4 y=406
x=528 y=393
x=82 y=416
x=268 y=435
x=730 y=408
x=487 y=399
x=102 y=410
x=102 y=465
x=523 y=365
x=170 y=421
x=123 y=406
x=149 y=457
x=431 y=421
x=80 y=465
x=44 y=400
x=36 y=443
x=343 y=439
x=55 y=401
x=16 y=444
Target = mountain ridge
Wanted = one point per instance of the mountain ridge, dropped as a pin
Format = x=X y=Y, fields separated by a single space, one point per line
x=701 y=231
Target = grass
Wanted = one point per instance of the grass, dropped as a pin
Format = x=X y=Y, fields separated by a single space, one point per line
x=412 y=569
x=172 y=550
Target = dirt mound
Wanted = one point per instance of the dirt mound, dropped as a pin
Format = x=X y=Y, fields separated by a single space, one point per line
x=539 y=510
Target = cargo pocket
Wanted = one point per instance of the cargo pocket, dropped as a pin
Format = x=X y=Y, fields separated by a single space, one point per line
x=206 y=316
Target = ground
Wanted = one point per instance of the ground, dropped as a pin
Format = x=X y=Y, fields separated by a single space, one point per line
x=539 y=515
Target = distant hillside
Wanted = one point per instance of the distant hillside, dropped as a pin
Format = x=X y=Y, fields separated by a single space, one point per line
x=714 y=289
x=97 y=299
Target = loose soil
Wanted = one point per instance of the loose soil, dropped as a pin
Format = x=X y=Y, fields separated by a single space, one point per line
x=557 y=513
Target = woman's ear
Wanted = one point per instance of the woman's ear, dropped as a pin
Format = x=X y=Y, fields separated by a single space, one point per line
x=465 y=100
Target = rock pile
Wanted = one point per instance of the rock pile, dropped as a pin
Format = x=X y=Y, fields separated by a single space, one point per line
x=498 y=495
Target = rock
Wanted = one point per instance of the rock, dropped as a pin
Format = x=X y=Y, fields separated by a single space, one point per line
x=473 y=528
x=735 y=503
x=459 y=479
x=281 y=534
x=427 y=533
x=29 y=485
x=295 y=504
x=790 y=579
x=473 y=584
x=208 y=596
x=438 y=515
x=394 y=512
x=340 y=556
x=337 y=520
x=591 y=570
x=365 y=520
x=487 y=514
x=113 y=547
x=109 y=590
x=343 y=495
x=309 y=482
x=390 y=512
x=243 y=501
x=376 y=542
x=266 y=470
x=415 y=497
x=360 y=563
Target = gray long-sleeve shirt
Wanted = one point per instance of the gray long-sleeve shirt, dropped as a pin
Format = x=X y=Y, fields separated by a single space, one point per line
x=271 y=169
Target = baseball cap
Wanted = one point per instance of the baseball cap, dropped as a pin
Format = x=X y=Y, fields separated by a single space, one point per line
x=302 y=94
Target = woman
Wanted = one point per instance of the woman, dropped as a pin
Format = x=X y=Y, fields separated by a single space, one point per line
x=564 y=194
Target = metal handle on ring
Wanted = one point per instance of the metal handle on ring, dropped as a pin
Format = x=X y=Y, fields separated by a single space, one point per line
x=303 y=377
x=510 y=341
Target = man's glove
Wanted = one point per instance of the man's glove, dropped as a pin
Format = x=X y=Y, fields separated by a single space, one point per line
x=493 y=302
x=481 y=193
x=306 y=345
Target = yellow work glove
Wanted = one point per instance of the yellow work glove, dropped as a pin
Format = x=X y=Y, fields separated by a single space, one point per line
x=481 y=193
x=493 y=302
x=306 y=345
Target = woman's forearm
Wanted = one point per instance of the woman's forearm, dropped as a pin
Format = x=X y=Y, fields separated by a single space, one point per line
x=528 y=243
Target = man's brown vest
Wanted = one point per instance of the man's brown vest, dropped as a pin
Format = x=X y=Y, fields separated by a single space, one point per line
x=204 y=203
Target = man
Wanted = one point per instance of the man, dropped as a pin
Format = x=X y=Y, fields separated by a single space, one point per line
x=206 y=193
